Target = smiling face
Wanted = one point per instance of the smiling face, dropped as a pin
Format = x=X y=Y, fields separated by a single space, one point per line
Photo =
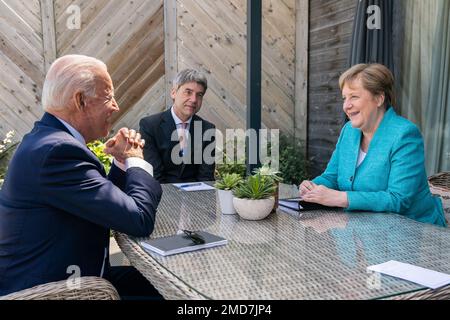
x=98 y=109
x=187 y=99
x=364 y=109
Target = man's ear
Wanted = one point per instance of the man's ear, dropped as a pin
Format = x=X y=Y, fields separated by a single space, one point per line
x=173 y=93
x=79 y=100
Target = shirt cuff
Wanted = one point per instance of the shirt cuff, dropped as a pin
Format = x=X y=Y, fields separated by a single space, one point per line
x=135 y=162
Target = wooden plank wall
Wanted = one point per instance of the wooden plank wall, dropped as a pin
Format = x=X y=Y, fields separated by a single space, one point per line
x=21 y=66
x=212 y=37
x=331 y=23
x=127 y=35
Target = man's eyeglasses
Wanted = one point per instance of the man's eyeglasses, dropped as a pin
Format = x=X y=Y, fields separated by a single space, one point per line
x=195 y=237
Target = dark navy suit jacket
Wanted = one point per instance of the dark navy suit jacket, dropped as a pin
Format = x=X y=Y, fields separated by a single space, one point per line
x=57 y=207
x=157 y=131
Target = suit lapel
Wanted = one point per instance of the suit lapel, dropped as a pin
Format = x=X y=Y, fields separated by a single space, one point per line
x=353 y=153
x=380 y=132
x=168 y=127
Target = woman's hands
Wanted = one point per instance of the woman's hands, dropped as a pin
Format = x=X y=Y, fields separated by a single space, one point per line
x=311 y=192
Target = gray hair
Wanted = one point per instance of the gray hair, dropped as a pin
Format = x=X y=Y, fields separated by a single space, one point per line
x=190 y=75
x=66 y=75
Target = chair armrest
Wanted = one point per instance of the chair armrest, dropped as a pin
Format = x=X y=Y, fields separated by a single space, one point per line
x=91 y=288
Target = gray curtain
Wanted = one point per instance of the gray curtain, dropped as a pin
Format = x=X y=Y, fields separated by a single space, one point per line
x=423 y=78
x=437 y=118
x=372 y=45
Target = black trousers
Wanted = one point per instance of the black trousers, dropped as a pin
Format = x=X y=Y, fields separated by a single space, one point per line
x=131 y=284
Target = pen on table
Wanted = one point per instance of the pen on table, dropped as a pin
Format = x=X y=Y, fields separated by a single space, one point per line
x=191 y=185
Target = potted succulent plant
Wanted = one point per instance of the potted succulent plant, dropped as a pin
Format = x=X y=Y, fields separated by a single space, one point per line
x=269 y=173
x=225 y=186
x=253 y=199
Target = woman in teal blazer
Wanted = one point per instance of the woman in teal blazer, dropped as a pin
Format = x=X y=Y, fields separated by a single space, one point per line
x=378 y=163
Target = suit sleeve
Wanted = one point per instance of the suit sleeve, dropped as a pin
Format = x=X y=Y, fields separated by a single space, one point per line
x=151 y=154
x=207 y=167
x=329 y=177
x=72 y=182
x=117 y=176
x=407 y=160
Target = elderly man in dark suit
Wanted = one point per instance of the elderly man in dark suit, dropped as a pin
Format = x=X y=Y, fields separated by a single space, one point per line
x=57 y=204
x=180 y=144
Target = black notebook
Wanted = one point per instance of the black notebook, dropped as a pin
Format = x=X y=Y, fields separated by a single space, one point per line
x=180 y=243
x=299 y=205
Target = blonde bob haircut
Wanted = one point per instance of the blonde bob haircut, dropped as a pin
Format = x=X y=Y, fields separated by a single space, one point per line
x=375 y=78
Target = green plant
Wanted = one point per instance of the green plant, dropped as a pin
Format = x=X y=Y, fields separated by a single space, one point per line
x=234 y=161
x=230 y=166
x=268 y=173
x=255 y=187
x=293 y=164
x=228 y=181
x=6 y=146
x=97 y=148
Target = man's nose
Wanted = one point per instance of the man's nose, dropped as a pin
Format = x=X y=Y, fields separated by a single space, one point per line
x=193 y=98
x=115 y=105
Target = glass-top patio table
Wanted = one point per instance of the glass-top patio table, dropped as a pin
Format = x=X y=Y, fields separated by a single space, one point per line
x=317 y=255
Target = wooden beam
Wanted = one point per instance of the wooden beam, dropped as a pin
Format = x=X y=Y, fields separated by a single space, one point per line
x=48 y=32
x=170 y=46
x=301 y=72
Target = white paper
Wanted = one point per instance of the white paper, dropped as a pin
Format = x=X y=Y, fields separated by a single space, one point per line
x=425 y=277
x=193 y=186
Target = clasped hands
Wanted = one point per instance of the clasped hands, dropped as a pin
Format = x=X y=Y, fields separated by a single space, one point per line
x=311 y=192
x=125 y=144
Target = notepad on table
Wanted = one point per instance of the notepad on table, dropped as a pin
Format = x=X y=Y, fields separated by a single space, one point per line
x=291 y=203
x=425 y=277
x=193 y=186
x=180 y=243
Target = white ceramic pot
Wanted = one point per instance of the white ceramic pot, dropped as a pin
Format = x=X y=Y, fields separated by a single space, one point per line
x=253 y=209
x=226 y=201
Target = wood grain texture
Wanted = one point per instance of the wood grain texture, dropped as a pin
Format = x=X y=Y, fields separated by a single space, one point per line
x=212 y=37
x=21 y=65
x=127 y=35
x=331 y=23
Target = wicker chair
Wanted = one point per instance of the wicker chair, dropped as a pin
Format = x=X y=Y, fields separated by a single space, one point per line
x=440 y=186
x=91 y=288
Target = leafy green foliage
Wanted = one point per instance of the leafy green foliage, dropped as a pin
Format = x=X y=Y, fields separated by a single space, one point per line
x=230 y=166
x=293 y=164
x=255 y=187
x=6 y=149
x=228 y=181
x=97 y=148
x=268 y=173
